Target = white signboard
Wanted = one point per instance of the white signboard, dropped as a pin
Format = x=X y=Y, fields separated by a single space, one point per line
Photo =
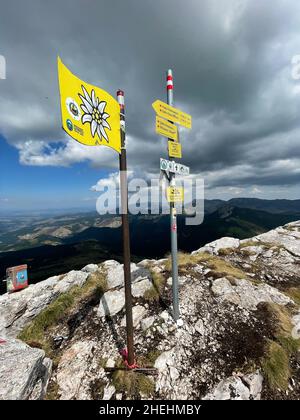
x=176 y=168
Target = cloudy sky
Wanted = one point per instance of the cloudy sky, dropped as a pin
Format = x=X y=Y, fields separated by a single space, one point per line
x=232 y=64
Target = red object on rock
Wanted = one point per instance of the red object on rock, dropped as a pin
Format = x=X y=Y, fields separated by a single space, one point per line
x=124 y=354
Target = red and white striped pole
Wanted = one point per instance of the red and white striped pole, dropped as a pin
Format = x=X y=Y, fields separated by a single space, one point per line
x=121 y=101
x=128 y=354
x=169 y=80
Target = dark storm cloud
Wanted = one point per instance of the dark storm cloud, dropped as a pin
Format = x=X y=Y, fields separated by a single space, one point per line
x=232 y=72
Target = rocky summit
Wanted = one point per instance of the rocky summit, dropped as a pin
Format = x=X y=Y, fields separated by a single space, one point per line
x=239 y=335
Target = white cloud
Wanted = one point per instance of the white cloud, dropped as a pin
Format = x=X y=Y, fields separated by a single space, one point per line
x=111 y=181
x=232 y=72
x=42 y=153
x=236 y=190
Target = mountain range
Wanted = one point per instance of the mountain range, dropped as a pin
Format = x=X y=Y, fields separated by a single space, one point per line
x=60 y=243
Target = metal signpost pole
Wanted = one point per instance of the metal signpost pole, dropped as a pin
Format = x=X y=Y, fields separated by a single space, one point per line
x=125 y=231
x=173 y=218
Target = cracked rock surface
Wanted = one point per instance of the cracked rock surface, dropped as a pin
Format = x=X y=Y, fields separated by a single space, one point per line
x=226 y=291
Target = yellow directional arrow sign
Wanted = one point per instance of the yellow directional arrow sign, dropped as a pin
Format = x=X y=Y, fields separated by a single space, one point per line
x=166 y=129
x=174 y=149
x=172 y=114
x=175 y=194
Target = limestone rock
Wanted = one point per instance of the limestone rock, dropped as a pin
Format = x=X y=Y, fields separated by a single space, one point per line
x=146 y=323
x=254 y=382
x=139 y=288
x=248 y=387
x=24 y=371
x=246 y=294
x=138 y=313
x=73 y=278
x=115 y=273
x=296 y=323
x=221 y=325
x=199 y=327
x=18 y=309
x=90 y=268
x=72 y=370
x=229 y=389
x=40 y=389
x=111 y=303
x=287 y=236
x=146 y=263
x=108 y=392
x=215 y=246
x=181 y=280
x=164 y=361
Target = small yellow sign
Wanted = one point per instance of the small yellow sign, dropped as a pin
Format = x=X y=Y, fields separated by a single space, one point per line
x=175 y=194
x=166 y=129
x=174 y=149
x=172 y=114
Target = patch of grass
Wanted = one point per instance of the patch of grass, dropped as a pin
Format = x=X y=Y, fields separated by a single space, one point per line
x=225 y=268
x=158 y=280
x=186 y=261
x=276 y=366
x=52 y=391
x=224 y=252
x=97 y=389
x=247 y=253
x=266 y=245
x=149 y=359
x=281 y=320
x=133 y=384
x=35 y=333
x=102 y=362
x=283 y=328
x=276 y=363
x=151 y=295
x=249 y=243
x=291 y=228
x=154 y=293
x=219 y=266
x=294 y=293
x=289 y=344
x=153 y=355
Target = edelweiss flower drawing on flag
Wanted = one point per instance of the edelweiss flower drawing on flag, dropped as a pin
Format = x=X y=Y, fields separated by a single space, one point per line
x=94 y=114
x=90 y=115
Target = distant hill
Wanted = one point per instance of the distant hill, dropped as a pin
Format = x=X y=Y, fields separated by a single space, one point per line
x=272 y=206
x=19 y=231
x=150 y=238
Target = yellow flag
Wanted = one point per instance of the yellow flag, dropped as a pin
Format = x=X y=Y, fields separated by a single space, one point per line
x=89 y=114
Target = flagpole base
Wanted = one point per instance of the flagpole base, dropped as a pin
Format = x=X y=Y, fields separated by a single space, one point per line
x=146 y=371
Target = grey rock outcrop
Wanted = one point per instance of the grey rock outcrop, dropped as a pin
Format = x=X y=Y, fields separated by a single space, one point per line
x=90 y=268
x=215 y=246
x=115 y=274
x=72 y=369
x=246 y=294
x=248 y=387
x=139 y=288
x=224 y=323
x=138 y=313
x=111 y=303
x=24 y=371
x=18 y=309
